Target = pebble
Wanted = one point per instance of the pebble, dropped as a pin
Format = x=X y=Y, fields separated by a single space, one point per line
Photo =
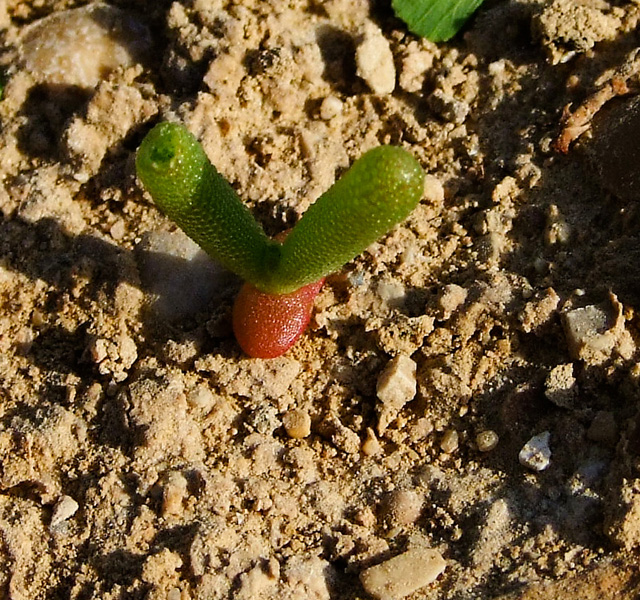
x=64 y=509
x=536 y=454
x=403 y=507
x=595 y=332
x=487 y=440
x=420 y=429
x=173 y=494
x=118 y=230
x=297 y=423
x=403 y=574
x=396 y=386
x=371 y=446
x=392 y=293
x=451 y=298
x=374 y=61
x=449 y=441
x=80 y=46
x=201 y=398
x=330 y=108
x=38 y=318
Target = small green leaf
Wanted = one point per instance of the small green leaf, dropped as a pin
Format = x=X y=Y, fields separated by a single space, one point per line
x=436 y=20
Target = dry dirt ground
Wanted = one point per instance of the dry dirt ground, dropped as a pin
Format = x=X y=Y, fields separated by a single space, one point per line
x=465 y=408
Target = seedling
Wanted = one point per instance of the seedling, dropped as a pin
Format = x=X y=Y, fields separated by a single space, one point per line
x=282 y=278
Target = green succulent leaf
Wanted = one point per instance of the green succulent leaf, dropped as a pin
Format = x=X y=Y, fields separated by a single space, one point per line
x=186 y=187
x=377 y=192
x=436 y=20
x=380 y=190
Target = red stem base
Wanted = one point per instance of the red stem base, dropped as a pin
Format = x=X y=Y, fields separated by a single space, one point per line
x=267 y=325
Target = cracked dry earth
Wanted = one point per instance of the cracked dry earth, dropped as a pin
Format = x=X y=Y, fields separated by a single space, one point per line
x=462 y=419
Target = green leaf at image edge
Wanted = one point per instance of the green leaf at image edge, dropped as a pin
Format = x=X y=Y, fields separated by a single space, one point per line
x=436 y=20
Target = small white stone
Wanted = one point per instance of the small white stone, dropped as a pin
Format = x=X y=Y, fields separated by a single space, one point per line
x=403 y=507
x=452 y=297
x=330 y=108
x=596 y=332
x=64 y=509
x=536 y=454
x=396 y=386
x=588 y=327
x=201 y=398
x=118 y=230
x=375 y=61
x=403 y=574
x=392 y=292
x=97 y=350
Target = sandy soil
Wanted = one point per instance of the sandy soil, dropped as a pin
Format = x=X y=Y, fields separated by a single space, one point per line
x=462 y=419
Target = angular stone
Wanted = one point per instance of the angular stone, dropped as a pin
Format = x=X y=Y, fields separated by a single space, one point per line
x=595 y=332
x=396 y=386
x=536 y=454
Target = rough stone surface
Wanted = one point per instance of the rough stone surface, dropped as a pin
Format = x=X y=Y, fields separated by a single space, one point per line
x=375 y=61
x=536 y=453
x=64 y=509
x=396 y=386
x=81 y=46
x=560 y=386
x=597 y=332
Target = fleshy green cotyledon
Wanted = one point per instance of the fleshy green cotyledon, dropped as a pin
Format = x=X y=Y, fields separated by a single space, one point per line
x=377 y=192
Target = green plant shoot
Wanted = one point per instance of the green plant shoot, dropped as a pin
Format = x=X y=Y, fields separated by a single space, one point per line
x=376 y=193
x=186 y=187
